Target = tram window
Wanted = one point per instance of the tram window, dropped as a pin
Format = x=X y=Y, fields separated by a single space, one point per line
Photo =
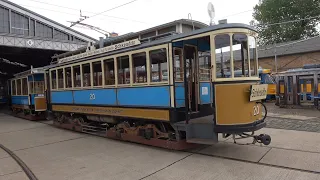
x=60 y=79
x=178 y=65
x=240 y=55
x=68 y=77
x=76 y=76
x=13 y=85
x=54 y=79
x=139 y=62
x=36 y=87
x=159 y=64
x=123 y=70
x=97 y=73
x=204 y=66
x=223 y=56
x=19 y=87
x=24 y=86
x=86 y=75
x=109 y=72
x=253 y=56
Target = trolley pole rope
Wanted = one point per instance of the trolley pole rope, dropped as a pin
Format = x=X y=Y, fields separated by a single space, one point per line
x=25 y=168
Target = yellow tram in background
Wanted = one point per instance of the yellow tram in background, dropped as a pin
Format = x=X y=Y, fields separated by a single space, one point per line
x=170 y=92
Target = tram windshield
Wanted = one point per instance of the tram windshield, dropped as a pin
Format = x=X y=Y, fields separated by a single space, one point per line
x=235 y=53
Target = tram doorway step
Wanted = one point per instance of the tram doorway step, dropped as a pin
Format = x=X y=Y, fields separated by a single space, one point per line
x=201 y=133
x=96 y=130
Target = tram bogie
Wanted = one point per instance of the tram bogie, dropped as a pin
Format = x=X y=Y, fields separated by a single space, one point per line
x=172 y=92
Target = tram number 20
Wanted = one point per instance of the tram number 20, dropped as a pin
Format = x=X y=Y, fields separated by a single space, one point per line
x=256 y=110
x=92 y=96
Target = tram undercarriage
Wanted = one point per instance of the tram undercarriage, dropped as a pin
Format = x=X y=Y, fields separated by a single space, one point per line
x=27 y=113
x=177 y=136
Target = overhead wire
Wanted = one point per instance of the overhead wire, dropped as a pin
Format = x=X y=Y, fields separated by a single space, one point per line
x=285 y=22
x=74 y=9
x=54 y=34
x=113 y=8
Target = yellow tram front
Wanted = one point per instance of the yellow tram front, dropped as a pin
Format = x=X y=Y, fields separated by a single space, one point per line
x=211 y=60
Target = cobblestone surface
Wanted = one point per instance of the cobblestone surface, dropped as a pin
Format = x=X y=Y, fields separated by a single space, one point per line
x=302 y=112
x=292 y=124
x=310 y=125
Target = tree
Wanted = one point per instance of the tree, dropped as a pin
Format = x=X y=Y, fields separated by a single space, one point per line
x=271 y=18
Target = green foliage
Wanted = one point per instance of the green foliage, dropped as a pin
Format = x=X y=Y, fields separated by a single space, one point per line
x=268 y=12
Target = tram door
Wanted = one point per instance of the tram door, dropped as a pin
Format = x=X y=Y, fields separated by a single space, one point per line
x=192 y=77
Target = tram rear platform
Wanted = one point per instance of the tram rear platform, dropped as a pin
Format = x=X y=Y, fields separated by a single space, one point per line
x=53 y=153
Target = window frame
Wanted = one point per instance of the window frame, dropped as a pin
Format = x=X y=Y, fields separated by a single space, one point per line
x=65 y=77
x=102 y=71
x=147 y=69
x=114 y=57
x=115 y=71
x=130 y=69
x=247 y=56
x=28 y=92
x=231 y=32
x=168 y=66
x=74 y=77
x=15 y=87
x=90 y=75
x=181 y=64
x=19 y=79
x=50 y=78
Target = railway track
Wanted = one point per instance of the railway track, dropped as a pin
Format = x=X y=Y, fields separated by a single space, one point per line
x=23 y=166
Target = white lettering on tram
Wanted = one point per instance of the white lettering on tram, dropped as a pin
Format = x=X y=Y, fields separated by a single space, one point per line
x=258 y=92
x=256 y=110
x=102 y=50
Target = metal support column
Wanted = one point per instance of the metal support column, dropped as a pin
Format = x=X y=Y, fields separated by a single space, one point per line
x=294 y=89
x=10 y=22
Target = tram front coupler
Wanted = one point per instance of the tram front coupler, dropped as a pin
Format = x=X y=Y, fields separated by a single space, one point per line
x=262 y=138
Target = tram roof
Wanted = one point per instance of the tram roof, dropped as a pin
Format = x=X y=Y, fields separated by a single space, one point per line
x=30 y=71
x=164 y=40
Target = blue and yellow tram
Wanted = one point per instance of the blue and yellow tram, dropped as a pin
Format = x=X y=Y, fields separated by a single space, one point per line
x=28 y=94
x=163 y=92
x=266 y=78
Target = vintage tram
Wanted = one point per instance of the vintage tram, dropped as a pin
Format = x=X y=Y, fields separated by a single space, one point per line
x=28 y=94
x=169 y=91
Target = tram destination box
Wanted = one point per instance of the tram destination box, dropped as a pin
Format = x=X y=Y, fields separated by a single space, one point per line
x=258 y=92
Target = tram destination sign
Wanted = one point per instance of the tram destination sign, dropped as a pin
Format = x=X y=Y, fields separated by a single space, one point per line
x=114 y=47
x=258 y=92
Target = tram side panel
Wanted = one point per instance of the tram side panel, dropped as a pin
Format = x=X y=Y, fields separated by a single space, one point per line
x=132 y=102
